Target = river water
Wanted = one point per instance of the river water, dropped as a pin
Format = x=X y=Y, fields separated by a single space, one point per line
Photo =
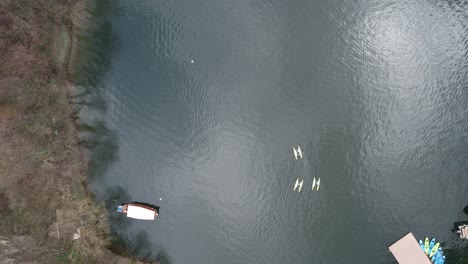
x=200 y=103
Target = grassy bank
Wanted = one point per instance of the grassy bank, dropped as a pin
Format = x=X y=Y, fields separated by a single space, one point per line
x=43 y=198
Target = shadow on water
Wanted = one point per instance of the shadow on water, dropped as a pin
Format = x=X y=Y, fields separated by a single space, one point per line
x=96 y=48
x=97 y=45
x=102 y=145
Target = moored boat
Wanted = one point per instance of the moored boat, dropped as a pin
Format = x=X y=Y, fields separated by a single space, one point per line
x=139 y=211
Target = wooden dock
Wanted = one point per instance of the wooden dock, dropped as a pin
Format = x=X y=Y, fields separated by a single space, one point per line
x=407 y=251
x=463 y=231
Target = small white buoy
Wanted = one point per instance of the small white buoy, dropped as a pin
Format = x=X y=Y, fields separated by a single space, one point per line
x=160 y=199
x=191 y=61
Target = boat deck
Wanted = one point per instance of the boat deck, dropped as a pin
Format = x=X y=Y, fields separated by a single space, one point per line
x=407 y=251
x=463 y=230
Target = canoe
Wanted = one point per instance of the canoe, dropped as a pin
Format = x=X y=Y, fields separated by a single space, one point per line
x=426 y=245
x=318 y=184
x=138 y=211
x=313 y=184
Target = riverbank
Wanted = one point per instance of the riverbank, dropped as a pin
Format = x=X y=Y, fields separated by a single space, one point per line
x=46 y=213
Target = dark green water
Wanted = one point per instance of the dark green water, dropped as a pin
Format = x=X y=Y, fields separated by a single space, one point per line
x=374 y=92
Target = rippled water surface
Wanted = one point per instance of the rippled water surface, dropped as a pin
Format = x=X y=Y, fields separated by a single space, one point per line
x=374 y=92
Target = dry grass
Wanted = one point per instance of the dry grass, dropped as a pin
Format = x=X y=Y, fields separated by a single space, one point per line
x=43 y=199
x=87 y=220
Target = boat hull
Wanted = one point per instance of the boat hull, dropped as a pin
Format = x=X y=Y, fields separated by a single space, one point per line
x=139 y=211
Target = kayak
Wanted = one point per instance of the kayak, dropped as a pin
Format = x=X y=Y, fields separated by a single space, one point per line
x=440 y=260
x=421 y=244
x=426 y=245
x=318 y=184
x=434 y=250
x=431 y=245
x=437 y=255
x=313 y=184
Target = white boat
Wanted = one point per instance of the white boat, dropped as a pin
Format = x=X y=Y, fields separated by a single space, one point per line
x=313 y=184
x=318 y=184
x=138 y=211
x=297 y=152
x=463 y=231
x=298 y=185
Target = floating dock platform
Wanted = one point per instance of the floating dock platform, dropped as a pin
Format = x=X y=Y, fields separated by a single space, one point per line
x=408 y=251
x=463 y=231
